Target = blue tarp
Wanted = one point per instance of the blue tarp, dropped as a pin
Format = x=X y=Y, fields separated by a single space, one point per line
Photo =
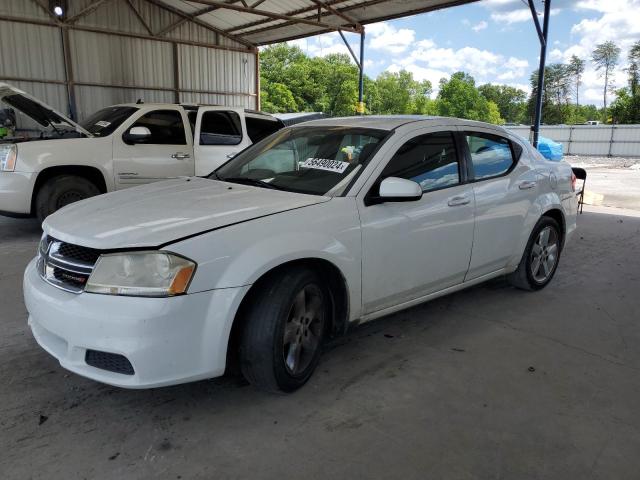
x=550 y=149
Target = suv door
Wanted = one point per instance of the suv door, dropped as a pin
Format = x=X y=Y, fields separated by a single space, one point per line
x=504 y=189
x=167 y=153
x=412 y=249
x=220 y=134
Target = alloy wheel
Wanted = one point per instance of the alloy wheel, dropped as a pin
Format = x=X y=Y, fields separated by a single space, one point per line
x=544 y=254
x=303 y=330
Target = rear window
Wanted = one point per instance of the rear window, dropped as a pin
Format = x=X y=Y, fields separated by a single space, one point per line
x=491 y=155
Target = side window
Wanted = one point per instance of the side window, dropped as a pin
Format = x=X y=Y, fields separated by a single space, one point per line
x=259 y=128
x=220 y=128
x=166 y=127
x=491 y=155
x=429 y=160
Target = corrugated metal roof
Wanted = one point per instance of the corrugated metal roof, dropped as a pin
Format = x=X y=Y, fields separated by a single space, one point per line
x=274 y=21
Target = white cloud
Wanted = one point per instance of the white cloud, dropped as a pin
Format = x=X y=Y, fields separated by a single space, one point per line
x=385 y=36
x=480 y=26
x=429 y=60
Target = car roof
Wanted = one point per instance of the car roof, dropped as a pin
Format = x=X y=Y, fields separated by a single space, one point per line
x=391 y=122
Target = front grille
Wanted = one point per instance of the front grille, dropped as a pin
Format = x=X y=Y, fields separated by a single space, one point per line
x=65 y=265
x=111 y=362
x=78 y=253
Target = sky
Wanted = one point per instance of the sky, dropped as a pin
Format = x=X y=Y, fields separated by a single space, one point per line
x=493 y=40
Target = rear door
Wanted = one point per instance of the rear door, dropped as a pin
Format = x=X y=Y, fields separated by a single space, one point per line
x=168 y=153
x=504 y=190
x=220 y=133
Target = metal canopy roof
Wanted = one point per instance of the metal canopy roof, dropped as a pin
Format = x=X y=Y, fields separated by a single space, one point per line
x=261 y=22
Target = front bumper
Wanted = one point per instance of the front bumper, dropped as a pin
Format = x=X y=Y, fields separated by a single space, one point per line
x=15 y=192
x=166 y=340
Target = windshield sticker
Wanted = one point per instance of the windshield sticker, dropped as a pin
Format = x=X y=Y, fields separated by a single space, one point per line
x=103 y=124
x=326 y=164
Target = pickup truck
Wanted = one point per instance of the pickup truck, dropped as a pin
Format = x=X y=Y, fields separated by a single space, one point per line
x=50 y=161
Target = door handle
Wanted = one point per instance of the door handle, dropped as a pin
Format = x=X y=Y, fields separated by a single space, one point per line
x=458 y=200
x=180 y=156
x=527 y=184
x=231 y=155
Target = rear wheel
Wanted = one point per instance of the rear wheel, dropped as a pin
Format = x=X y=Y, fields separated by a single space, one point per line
x=284 y=330
x=60 y=191
x=541 y=256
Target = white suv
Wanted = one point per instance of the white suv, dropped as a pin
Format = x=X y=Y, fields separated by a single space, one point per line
x=316 y=228
x=57 y=161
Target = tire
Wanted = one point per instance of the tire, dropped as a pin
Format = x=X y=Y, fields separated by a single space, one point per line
x=539 y=261
x=60 y=191
x=285 y=325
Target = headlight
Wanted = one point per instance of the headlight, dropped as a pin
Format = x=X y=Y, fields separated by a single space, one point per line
x=141 y=274
x=8 y=156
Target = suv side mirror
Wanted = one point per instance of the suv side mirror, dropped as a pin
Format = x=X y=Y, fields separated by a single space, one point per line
x=136 y=135
x=394 y=189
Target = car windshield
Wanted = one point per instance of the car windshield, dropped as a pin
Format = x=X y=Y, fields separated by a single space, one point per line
x=105 y=121
x=311 y=160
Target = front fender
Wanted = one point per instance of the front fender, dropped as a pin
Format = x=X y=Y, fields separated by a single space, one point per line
x=238 y=255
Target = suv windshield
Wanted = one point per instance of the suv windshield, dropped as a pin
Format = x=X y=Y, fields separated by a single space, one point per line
x=105 y=121
x=311 y=160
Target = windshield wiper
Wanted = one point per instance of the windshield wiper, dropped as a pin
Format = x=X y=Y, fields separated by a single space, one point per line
x=250 y=181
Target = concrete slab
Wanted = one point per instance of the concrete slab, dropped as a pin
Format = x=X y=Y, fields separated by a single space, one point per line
x=491 y=382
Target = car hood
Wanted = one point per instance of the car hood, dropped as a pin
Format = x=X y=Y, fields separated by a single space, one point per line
x=35 y=109
x=163 y=212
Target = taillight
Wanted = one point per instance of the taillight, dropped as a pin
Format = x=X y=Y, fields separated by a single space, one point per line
x=573 y=181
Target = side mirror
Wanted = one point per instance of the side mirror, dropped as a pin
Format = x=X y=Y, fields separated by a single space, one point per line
x=137 y=135
x=394 y=189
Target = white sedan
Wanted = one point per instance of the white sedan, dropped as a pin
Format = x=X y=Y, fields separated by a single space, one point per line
x=314 y=229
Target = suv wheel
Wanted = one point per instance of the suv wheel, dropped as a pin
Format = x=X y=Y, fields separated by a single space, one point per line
x=60 y=191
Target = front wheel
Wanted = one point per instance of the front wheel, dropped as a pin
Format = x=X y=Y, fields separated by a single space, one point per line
x=284 y=331
x=541 y=256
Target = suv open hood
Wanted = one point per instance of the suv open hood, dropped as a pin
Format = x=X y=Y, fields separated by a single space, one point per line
x=35 y=109
x=163 y=212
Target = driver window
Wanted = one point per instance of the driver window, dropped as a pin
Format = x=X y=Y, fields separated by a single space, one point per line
x=429 y=160
x=166 y=127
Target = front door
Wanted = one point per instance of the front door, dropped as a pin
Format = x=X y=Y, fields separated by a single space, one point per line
x=411 y=249
x=167 y=153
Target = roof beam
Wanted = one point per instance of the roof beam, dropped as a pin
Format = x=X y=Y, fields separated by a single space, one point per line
x=85 y=11
x=138 y=15
x=294 y=12
x=192 y=18
x=274 y=16
x=337 y=13
x=196 y=14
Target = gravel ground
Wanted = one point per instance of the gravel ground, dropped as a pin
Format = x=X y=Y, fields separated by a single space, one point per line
x=611 y=181
x=603 y=162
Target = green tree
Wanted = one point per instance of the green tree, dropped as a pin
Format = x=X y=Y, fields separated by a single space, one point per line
x=634 y=69
x=576 y=69
x=511 y=101
x=399 y=93
x=605 y=57
x=277 y=98
x=459 y=97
